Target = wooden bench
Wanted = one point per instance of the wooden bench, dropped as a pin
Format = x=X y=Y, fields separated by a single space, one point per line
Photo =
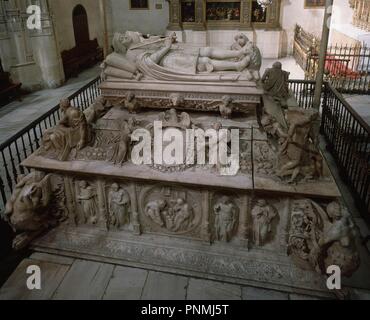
x=81 y=57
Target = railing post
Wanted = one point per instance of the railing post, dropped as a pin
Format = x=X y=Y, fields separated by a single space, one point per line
x=2 y=191
x=323 y=49
x=324 y=108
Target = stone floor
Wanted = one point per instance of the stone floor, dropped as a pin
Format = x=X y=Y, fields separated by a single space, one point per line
x=18 y=114
x=74 y=279
x=289 y=64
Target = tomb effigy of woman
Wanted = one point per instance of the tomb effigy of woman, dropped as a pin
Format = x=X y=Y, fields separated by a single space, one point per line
x=189 y=162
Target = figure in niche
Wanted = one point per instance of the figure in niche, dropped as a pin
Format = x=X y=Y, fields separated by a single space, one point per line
x=154 y=210
x=177 y=100
x=119 y=205
x=87 y=199
x=97 y=110
x=226 y=107
x=73 y=131
x=226 y=219
x=157 y=59
x=122 y=145
x=131 y=103
x=183 y=215
x=263 y=215
x=171 y=118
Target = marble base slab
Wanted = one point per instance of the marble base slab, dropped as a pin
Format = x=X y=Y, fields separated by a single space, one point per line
x=185 y=257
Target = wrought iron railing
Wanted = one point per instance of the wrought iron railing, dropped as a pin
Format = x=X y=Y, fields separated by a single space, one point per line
x=25 y=142
x=348 y=140
x=347 y=68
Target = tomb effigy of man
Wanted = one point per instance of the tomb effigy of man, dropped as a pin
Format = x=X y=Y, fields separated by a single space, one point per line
x=278 y=223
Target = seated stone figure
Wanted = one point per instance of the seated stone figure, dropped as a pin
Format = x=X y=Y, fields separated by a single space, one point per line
x=72 y=131
x=275 y=83
x=242 y=41
x=159 y=59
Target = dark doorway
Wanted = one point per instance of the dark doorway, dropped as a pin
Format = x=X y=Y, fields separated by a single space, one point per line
x=80 y=25
x=87 y=52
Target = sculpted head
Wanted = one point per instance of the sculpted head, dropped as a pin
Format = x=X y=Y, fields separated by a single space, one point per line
x=130 y=96
x=121 y=42
x=334 y=211
x=177 y=99
x=161 y=204
x=241 y=39
x=297 y=217
x=64 y=104
x=115 y=187
x=180 y=201
x=83 y=184
x=267 y=122
x=261 y=203
x=217 y=126
x=277 y=65
x=227 y=100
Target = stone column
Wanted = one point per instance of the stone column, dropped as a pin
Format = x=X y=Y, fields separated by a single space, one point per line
x=46 y=51
x=323 y=49
x=175 y=15
x=21 y=65
x=103 y=14
x=199 y=15
x=245 y=14
x=6 y=50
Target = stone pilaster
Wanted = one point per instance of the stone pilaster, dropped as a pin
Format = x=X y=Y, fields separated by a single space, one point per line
x=45 y=48
x=200 y=23
x=175 y=15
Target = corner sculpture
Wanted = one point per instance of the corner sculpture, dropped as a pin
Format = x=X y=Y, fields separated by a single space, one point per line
x=33 y=207
x=73 y=131
x=290 y=130
x=320 y=238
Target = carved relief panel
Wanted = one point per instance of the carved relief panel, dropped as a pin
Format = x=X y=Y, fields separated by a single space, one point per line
x=229 y=218
x=170 y=210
